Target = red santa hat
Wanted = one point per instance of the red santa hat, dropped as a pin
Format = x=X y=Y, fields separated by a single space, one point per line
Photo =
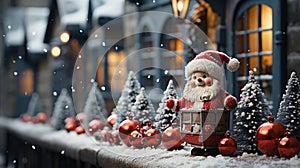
x=211 y=62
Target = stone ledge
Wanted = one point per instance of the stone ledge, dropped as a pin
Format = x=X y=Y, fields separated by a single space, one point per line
x=83 y=149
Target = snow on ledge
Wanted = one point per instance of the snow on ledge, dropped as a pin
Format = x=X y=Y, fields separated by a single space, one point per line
x=85 y=148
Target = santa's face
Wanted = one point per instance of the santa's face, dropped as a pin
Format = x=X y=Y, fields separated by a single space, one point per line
x=201 y=87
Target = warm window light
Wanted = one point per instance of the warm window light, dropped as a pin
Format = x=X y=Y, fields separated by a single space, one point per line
x=55 y=51
x=64 y=37
x=180 y=8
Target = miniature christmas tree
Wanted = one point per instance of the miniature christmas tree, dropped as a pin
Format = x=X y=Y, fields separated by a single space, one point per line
x=143 y=110
x=94 y=106
x=289 y=110
x=35 y=105
x=63 y=108
x=251 y=112
x=126 y=101
x=164 y=115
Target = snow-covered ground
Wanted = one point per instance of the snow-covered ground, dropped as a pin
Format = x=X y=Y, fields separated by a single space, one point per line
x=71 y=144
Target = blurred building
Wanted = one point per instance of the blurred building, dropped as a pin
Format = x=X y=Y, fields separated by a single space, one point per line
x=49 y=45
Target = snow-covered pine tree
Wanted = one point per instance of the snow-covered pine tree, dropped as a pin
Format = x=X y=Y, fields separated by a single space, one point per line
x=94 y=106
x=63 y=108
x=252 y=111
x=143 y=110
x=164 y=116
x=126 y=101
x=289 y=110
x=35 y=105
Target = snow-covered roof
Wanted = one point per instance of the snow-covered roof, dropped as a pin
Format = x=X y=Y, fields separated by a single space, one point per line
x=73 y=12
x=36 y=23
x=108 y=8
x=14 y=33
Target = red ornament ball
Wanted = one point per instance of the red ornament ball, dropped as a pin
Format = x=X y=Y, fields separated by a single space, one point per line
x=26 y=118
x=41 y=117
x=95 y=125
x=111 y=120
x=80 y=117
x=136 y=139
x=115 y=135
x=152 y=137
x=70 y=126
x=171 y=138
x=80 y=130
x=227 y=146
x=106 y=135
x=125 y=129
x=268 y=135
x=288 y=147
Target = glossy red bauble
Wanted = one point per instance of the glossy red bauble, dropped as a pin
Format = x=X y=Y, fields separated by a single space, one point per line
x=26 y=118
x=111 y=120
x=70 y=120
x=136 y=139
x=115 y=135
x=171 y=138
x=41 y=117
x=80 y=130
x=152 y=137
x=80 y=117
x=227 y=146
x=70 y=126
x=125 y=129
x=95 y=125
x=106 y=135
x=268 y=135
x=288 y=147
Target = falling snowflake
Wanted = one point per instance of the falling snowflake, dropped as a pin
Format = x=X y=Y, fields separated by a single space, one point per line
x=54 y=93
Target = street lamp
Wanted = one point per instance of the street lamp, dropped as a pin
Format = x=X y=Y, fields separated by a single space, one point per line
x=55 y=51
x=180 y=8
x=64 y=37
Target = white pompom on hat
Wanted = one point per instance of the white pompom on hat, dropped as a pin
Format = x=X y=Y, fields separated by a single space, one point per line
x=211 y=62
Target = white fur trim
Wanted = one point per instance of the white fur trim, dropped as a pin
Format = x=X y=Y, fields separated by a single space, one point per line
x=175 y=105
x=213 y=69
x=233 y=65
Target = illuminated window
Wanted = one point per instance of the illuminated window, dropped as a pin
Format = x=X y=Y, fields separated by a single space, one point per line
x=173 y=56
x=26 y=82
x=111 y=69
x=253 y=47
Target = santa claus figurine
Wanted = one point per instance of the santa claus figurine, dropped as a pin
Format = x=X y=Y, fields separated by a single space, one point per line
x=203 y=89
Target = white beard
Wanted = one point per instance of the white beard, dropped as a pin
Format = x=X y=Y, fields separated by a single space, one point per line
x=199 y=94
